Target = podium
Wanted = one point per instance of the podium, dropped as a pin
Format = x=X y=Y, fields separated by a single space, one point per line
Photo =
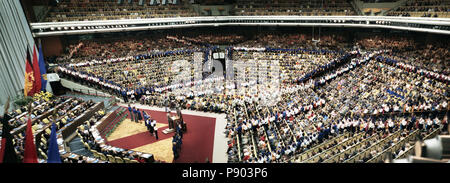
x=173 y=120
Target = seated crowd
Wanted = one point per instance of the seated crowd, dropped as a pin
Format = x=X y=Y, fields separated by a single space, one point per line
x=423 y=8
x=293 y=7
x=62 y=113
x=69 y=10
x=367 y=95
x=348 y=102
x=95 y=143
x=431 y=55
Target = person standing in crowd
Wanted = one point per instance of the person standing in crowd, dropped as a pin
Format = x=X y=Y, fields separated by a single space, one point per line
x=148 y=123
x=124 y=95
x=179 y=130
x=139 y=115
x=156 y=133
x=131 y=112
x=152 y=126
x=174 y=150
x=135 y=114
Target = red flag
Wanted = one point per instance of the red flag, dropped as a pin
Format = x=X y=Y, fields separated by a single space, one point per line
x=29 y=77
x=30 y=154
x=36 y=72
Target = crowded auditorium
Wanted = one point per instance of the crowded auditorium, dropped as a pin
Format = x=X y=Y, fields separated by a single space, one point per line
x=225 y=81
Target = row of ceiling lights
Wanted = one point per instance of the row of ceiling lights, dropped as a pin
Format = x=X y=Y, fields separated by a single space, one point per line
x=123 y=26
x=88 y=27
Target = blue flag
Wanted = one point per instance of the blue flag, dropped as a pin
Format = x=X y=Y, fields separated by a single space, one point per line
x=53 y=150
x=42 y=69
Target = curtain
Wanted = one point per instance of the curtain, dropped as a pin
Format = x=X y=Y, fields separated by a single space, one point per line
x=15 y=37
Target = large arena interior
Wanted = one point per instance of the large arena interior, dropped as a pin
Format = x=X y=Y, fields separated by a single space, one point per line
x=218 y=81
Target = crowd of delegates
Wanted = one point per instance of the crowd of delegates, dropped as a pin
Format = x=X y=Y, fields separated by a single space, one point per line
x=69 y=10
x=397 y=44
x=215 y=39
x=293 y=7
x=357 y=94
x=108 y=48
x=293 y=65
x=296 y=40
x=344 y=101
x=423 y=8
x=59 y=110
x=126 y=46
x=432 y=55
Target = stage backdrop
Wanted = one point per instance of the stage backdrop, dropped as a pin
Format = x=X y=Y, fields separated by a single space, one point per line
x=15 y=37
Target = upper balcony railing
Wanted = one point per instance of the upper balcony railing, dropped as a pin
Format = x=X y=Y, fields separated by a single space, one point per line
x=421 y=24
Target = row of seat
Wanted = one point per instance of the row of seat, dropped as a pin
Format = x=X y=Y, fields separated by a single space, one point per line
x=314 y=150
x=379 y=157
x=110 y=158
x=374 y=147
x=410 y=150
x=339 y=148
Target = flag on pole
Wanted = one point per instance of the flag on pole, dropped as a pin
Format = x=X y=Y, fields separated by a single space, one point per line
x=43 y=71
x=53 y=150
x=29 y=76
x=36 y=72
x=30 y=154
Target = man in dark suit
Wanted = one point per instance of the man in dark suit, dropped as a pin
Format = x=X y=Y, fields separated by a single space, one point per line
x=148 y=123
x=156 y=133
x=179 y=130
x=175 y=150
x=124 y=95
x=135 y=114
x=131 y=112
x=151 y=127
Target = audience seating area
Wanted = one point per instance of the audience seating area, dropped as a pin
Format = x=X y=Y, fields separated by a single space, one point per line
x=293 y=7
x=65 y=112
x=93 y=140
x=423 y=8
x=69 y=10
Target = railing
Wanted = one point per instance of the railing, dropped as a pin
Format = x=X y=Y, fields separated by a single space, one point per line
x=112 y=99
x=309 y=153
x=374 y=146
x=115 y=125
x=433 y=25
x=394 y=148
x=70 y=128
x=110 y=124
x=237 y=137
x=265 y=131
x=90 y=92
x=410 y=150
x=339 y=147
x=251 y=133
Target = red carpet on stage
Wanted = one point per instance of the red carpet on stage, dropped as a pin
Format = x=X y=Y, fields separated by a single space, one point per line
x=198 y=141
